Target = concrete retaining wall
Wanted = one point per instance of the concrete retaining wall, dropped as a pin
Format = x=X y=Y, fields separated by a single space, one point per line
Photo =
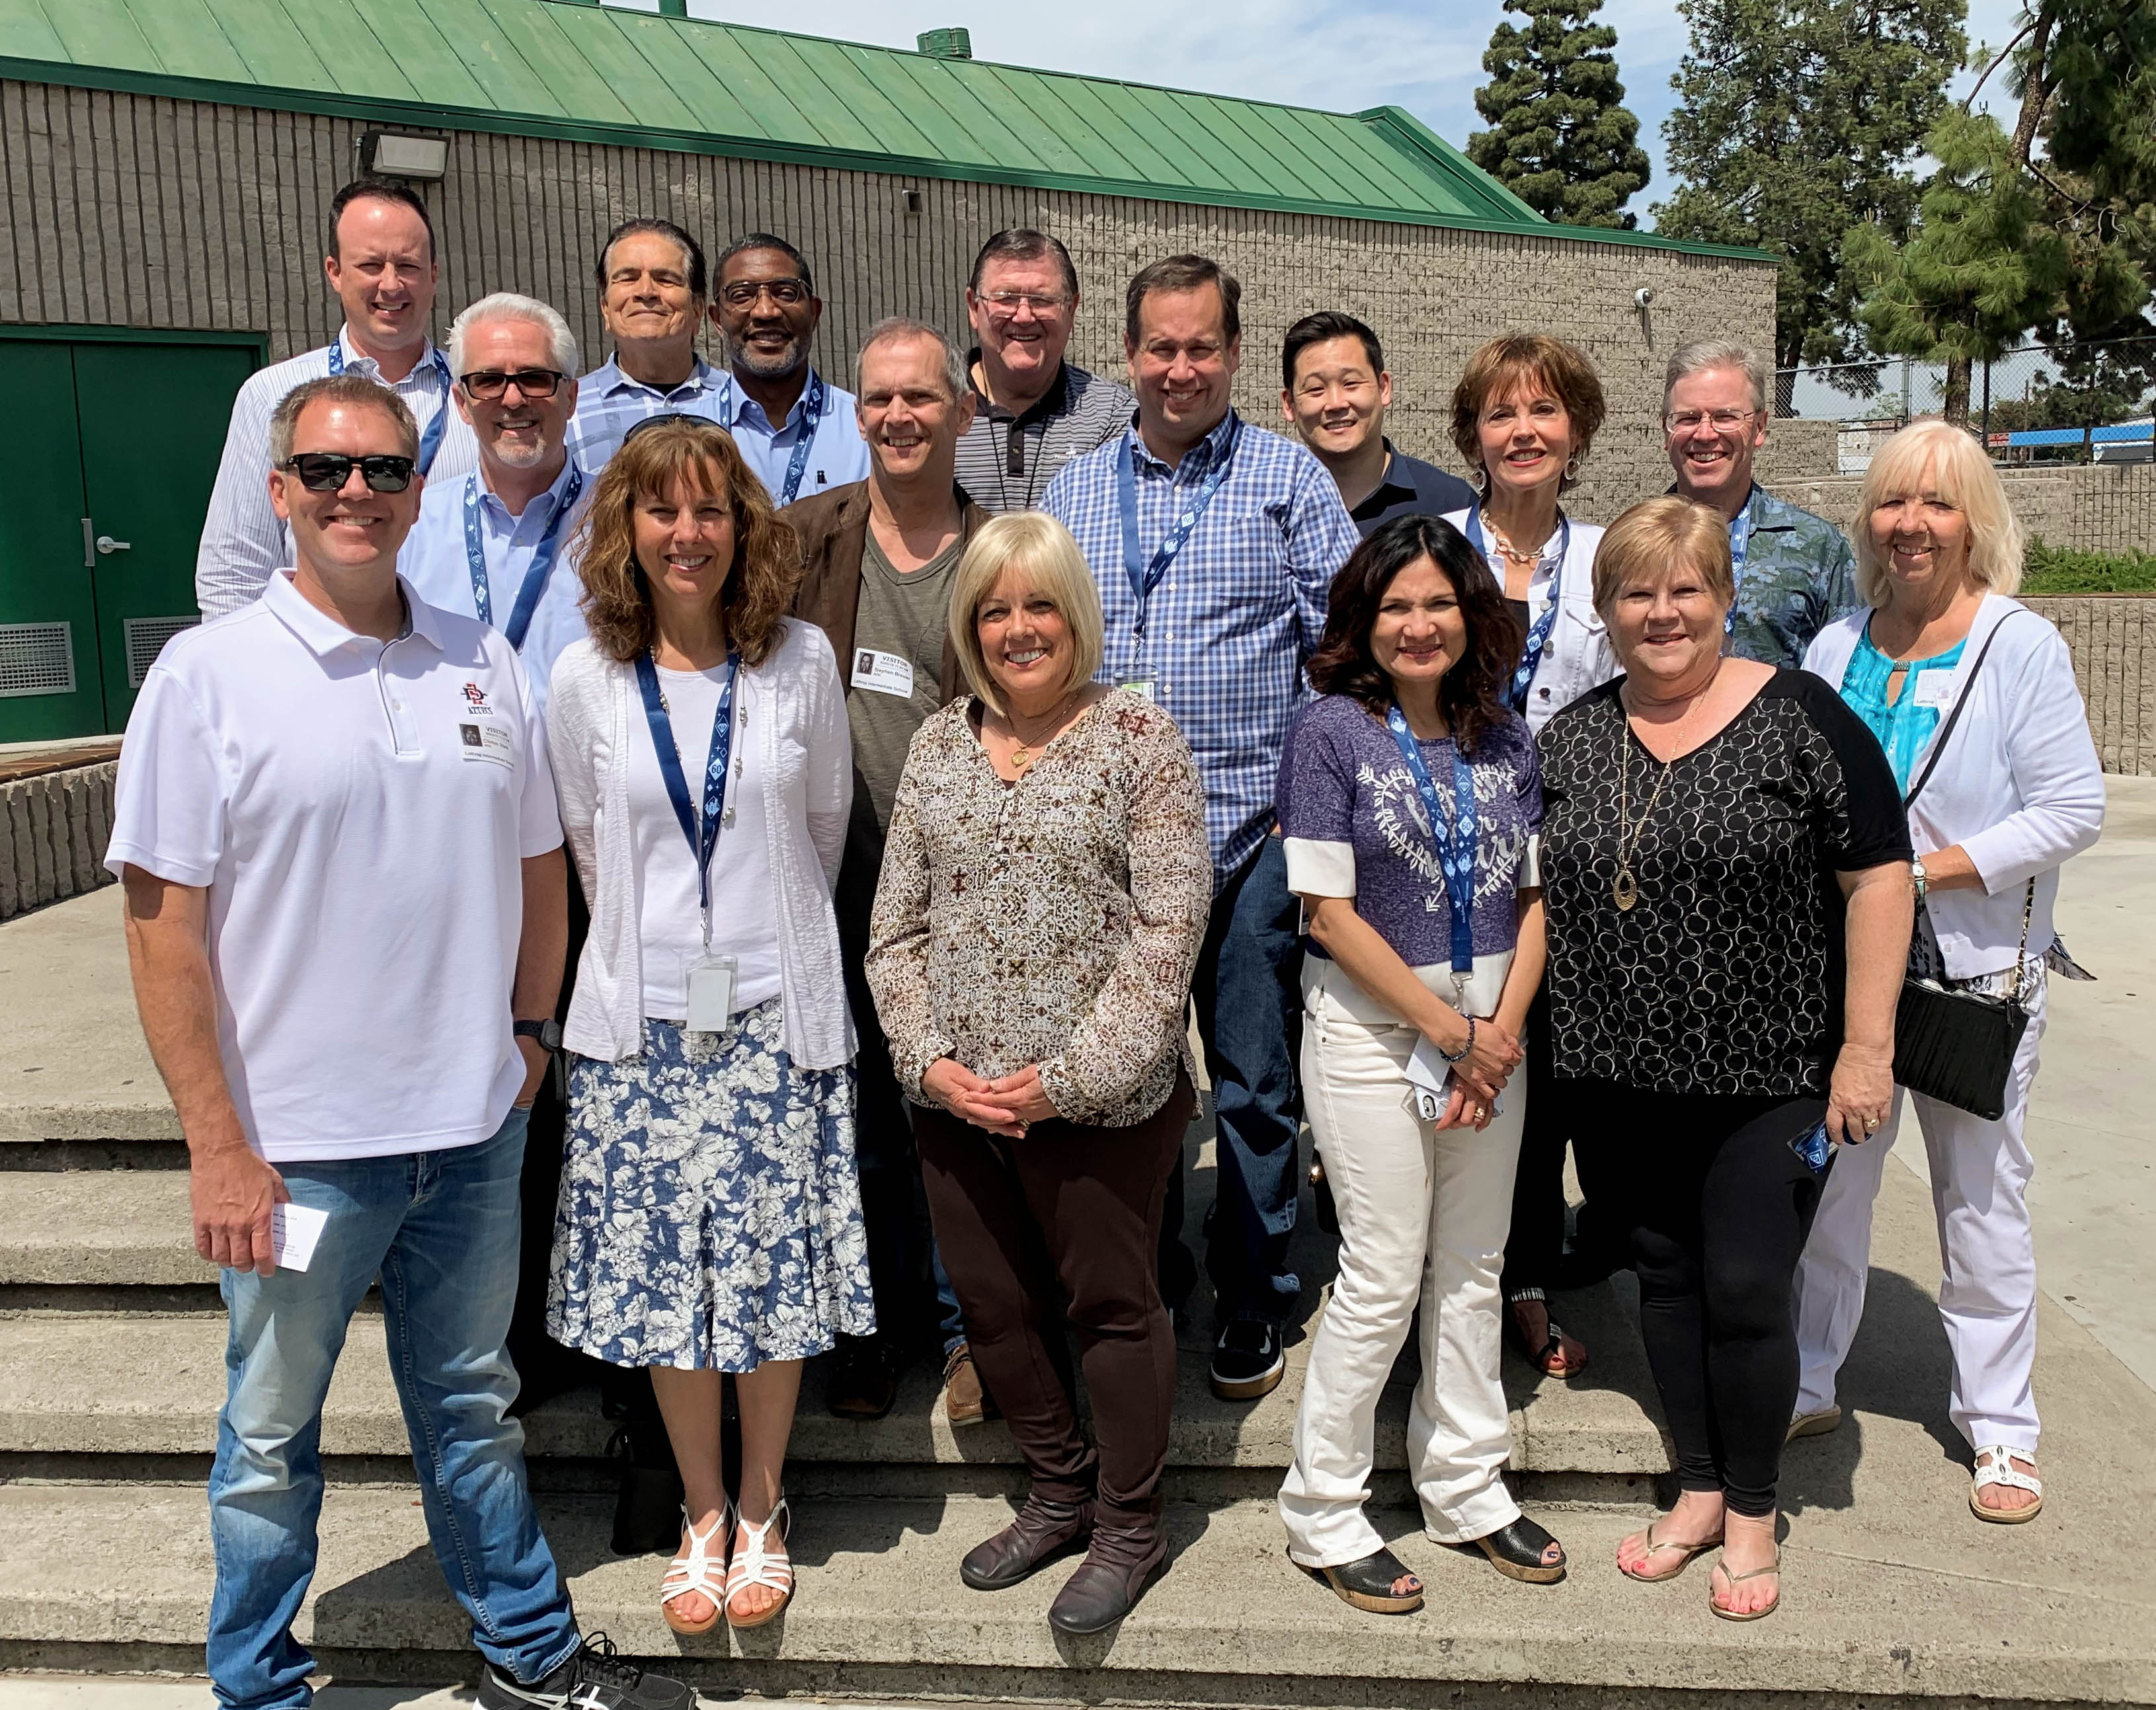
x=2103 y=508
x=53 y=830
x=2113 y=638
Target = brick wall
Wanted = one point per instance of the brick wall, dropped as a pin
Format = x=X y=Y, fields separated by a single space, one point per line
x=2113 y=639
x=53 y=830
x=2093 y=509
x=143 y=211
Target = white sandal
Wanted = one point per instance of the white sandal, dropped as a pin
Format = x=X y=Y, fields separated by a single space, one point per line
x=1995 y=1465
x=756 y=1563
x=693 y=1572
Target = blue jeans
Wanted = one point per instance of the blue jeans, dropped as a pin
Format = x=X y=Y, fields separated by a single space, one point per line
x=1248 y=989
x=441 y=1230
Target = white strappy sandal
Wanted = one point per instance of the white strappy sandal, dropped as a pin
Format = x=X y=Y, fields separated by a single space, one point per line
x=700 y=1570
x=1995 y=1465
x=756 y=1563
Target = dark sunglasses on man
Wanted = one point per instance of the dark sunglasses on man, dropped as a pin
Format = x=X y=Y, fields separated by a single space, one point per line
x=489 y=385
x=327 y=471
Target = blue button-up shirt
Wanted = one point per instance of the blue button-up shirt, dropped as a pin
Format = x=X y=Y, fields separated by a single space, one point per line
x=609 y=403
x=435 y=562
x=1238 y=610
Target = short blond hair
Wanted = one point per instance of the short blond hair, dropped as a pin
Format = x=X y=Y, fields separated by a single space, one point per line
x=1962 y=476
x=1041 y=549
x=1656 y=534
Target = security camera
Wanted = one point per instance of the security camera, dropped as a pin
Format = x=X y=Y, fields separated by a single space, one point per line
x=1643 y=295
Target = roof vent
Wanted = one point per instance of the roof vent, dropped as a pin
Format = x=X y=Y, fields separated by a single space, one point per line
x=956 y=42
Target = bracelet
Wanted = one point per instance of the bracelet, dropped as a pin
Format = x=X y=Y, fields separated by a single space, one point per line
x=1461 y=1054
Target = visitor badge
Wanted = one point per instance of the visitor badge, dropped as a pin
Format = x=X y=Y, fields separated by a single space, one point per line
x=485 y=740
x=883 y=674
x=1144 y=687
x=1935 y=688
x=712 y=993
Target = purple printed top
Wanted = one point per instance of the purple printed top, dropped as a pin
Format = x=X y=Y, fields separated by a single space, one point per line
x=1355 y=828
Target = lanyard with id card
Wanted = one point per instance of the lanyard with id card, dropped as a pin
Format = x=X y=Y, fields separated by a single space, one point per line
x=1146 y=574
x=711 y=977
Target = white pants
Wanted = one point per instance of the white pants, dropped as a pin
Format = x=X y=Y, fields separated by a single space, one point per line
x=1980 y=1174
x=1423 y=1218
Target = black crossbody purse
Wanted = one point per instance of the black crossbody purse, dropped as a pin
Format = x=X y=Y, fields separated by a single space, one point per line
x=1955 y=1045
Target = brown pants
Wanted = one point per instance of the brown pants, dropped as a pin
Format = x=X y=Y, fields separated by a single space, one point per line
x=1081 y=1207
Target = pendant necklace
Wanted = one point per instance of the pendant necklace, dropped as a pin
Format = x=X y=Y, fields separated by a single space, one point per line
x=1025 y=753
x=1625 y=889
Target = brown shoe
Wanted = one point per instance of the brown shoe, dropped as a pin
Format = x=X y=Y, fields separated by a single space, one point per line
x=1043 y=1531
x=863 y=1381
x=1117 y=1568
x=965 y=1402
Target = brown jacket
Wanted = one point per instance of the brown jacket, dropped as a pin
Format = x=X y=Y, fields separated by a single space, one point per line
x=834 y=527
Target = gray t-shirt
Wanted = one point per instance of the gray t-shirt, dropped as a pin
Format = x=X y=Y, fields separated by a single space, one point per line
x=902 y=618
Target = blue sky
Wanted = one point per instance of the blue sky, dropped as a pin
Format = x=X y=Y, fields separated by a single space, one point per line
x=1343 y=54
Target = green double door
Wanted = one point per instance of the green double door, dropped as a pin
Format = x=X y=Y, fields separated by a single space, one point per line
x=113 y=448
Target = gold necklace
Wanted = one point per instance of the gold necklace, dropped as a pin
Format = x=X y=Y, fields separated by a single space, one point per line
x=1023 y=755
x=1625 y=889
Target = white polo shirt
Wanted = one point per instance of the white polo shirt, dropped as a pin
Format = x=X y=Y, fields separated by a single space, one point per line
x=357 y=811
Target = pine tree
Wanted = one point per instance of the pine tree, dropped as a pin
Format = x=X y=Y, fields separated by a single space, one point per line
x=1564 y=141
x=1797 y=120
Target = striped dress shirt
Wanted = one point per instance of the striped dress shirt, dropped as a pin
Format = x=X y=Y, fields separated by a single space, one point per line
x=1006 y=461
x=609 y=403
x=1238 y=610
x=243 y=539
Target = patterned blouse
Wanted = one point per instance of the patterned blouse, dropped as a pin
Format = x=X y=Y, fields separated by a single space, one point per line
x=1055 y=920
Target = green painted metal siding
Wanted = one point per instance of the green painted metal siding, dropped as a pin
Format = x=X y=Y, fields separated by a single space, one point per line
x=543 y=68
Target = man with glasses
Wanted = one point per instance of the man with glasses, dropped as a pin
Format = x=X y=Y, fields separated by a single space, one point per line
x=795 y=429
x=381 y=265
x=652 y=298
x=1795 y=574
x=341 y=866
x=1033 y=411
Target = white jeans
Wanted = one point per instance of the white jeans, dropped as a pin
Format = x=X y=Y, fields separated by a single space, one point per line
x=1423 y=1218
x=1980 y=1174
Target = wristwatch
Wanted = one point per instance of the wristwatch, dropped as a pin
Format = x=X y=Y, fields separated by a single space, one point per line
x=1918 y=877
x=547 y=1032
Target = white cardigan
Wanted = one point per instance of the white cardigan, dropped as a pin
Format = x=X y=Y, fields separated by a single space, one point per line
x=2018 y=787
x=792 y=703
x=1578 y=656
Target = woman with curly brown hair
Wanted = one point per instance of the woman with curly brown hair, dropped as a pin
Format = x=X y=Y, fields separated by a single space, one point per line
x=1409 y=799
x=710 y=1220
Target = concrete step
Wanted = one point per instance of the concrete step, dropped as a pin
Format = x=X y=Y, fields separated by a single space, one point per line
x=104 y=1228
x=879 y=1609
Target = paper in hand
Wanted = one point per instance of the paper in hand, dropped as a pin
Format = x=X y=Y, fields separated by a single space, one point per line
x=294 y=1232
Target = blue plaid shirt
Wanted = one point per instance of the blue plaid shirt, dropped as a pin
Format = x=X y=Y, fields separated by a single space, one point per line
x=1239 y=610
x=609 y=403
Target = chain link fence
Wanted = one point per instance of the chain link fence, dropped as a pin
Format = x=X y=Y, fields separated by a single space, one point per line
x=2038 y=407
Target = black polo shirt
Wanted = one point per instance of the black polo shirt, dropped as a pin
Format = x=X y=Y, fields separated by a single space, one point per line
x=1411 y=488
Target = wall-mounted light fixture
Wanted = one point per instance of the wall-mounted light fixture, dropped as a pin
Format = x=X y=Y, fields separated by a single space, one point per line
x=399 y=154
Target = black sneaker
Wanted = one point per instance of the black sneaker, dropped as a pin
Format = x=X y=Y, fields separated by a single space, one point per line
x=1247 y=1362
x=595 y=1678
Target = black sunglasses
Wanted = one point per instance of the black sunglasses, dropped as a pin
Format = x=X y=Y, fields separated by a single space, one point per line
x=664 y=417
x=489 y=384
x=327 y=471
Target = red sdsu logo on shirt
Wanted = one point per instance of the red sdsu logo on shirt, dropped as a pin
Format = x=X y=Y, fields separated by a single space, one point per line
x=475 y=698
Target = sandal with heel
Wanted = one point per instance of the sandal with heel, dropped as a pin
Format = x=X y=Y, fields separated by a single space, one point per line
x=693 y=1572
x=756 y=1562
x=1367 y=1582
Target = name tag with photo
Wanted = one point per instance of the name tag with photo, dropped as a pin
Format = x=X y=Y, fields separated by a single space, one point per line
x=486 y=741
x=883 y=674
x=1935 y=688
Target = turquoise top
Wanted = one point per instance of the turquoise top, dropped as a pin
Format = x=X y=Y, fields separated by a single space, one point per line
x=1904 y=726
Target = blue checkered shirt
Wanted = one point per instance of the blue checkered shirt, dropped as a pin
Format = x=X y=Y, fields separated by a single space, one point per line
x=609 y=403
x=1239 y=610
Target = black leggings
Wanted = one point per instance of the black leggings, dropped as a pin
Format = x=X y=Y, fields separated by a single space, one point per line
x=1718 y=1207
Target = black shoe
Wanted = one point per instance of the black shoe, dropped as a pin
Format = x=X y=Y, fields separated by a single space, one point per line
x=864 y=1379
x=1516 y=1551
x=593 y=1679
x=1247 y=1362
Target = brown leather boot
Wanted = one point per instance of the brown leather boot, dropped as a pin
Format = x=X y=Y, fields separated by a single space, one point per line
x=1111 y=1579
x=1043 y=1531
x=965 y=1402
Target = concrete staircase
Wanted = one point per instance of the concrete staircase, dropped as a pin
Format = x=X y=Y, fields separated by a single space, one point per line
x=112 y=1373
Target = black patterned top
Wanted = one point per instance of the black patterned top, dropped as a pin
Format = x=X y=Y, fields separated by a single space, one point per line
x=1725 y=977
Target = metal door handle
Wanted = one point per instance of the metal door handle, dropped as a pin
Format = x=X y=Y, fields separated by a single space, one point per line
x=105 y=543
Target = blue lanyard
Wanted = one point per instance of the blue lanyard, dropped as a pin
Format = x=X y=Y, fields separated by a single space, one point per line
x=1740 y=543
x=1456 y=849
x=701 y=847
x=535 y=574
x=812 y=414
x=1146 y=576
x=430 y=442
x=1538 y=633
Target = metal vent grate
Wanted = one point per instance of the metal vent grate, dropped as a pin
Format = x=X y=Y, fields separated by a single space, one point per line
x=37 y=658
x=146 y=639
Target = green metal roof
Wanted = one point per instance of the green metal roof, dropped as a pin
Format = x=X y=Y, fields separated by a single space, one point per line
x=556 y=67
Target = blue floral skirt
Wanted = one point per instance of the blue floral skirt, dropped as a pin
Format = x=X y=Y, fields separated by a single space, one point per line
x=710 y=1217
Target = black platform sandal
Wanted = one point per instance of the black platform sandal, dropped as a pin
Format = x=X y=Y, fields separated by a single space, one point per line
x=1368 y=1583
x=1516 y=1551
x=1553 y=1348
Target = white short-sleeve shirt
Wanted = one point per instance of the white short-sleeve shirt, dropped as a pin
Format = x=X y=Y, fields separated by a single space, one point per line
x=358 y=811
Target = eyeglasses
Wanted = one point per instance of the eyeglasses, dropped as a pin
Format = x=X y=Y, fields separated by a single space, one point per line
x=327 y=471
x=489 y=384
x=664 y=417
x=1722 y=421
x=743 y=292
x=1010 y=302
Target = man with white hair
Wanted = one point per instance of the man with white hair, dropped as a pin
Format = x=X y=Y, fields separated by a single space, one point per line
x=492 y=544
x=1795 y=574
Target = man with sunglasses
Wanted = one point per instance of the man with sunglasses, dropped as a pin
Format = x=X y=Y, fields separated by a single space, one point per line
x=345 y=897
x=796 y=429
x=1795 y=573
x=382 y=267
x=1033 y=411
x=494 y=544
